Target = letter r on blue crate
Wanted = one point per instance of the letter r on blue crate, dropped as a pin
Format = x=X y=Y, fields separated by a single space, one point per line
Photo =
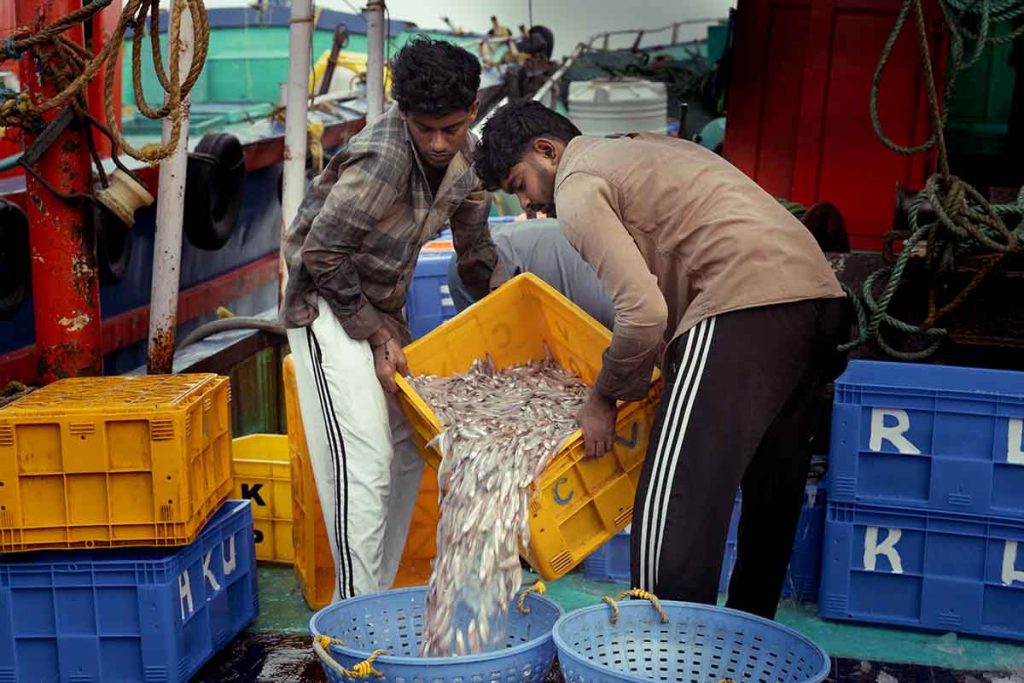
x=893 y=433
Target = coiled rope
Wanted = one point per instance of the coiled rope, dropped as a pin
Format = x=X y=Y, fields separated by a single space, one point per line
x=73 y=67
x=965 y=222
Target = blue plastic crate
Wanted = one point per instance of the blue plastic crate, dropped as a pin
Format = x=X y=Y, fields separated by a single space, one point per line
x=429 y=301
x=929 y=570
x=931 y=437
x=139 y=614
x=803 y=578
x=611 y=561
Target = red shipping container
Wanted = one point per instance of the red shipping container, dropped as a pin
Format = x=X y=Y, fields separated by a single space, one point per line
x=799 y=118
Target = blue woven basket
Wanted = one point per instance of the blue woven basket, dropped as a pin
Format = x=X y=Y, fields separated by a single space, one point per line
x=393 y=621
x=698 y=643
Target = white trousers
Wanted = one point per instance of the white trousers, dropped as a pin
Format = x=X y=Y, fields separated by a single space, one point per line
x=360 y=444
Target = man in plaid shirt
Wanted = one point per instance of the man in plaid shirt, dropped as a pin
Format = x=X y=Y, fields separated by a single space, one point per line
x=351 y=252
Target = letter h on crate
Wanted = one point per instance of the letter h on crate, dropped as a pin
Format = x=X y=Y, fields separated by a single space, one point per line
x=213 y=575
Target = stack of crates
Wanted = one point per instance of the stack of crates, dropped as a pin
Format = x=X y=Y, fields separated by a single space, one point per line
x=925 y=524
x=429 y=300
x=611 y=562
x=119 y=558
x=262 y=475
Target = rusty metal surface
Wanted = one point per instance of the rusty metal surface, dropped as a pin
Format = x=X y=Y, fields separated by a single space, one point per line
x=161 y=351
x=65 y=281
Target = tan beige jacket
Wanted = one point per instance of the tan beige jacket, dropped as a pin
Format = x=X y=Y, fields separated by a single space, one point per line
x=677 y=234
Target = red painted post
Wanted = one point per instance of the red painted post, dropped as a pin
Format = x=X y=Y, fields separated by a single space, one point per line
x=65 y=288
x=103 y=26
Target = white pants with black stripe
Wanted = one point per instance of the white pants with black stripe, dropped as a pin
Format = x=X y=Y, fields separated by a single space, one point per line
x=363 y=458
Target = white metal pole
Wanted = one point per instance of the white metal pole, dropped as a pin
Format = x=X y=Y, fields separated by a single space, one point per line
x=300 y=45
x=163 y=307
x=374 y=14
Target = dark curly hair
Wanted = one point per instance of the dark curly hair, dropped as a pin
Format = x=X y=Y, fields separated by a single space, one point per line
x=507 y=136
x=433 y=77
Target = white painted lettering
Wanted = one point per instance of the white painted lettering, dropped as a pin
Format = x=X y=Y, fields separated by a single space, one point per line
x=229 y=565
x=185 y=594
x=1010 y=572
x=210 y=578
x=1015 y=442
x=872 y=549
x=891 y=433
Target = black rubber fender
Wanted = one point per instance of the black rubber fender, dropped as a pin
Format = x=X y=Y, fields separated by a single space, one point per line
x=114 y=242
x=15 y=263
x=214 y=184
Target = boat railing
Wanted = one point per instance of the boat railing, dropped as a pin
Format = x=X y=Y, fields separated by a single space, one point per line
x=544 y=91
x=640 y=33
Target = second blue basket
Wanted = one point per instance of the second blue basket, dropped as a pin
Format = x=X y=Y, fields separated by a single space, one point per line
x=698 y=643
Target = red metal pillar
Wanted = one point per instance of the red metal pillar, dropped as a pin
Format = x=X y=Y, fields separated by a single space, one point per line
x=103 y=25
x=65 y=288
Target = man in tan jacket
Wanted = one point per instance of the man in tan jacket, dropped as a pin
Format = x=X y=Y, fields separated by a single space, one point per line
x=714 y=278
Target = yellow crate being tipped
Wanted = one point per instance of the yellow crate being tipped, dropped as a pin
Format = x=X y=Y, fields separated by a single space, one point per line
x=262 y=474
x=314 y=564
x=131 y=460
x=578 y=503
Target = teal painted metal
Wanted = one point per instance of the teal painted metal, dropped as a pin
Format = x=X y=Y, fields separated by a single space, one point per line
x=979 y=113
x=717 y=36
x=249 y=64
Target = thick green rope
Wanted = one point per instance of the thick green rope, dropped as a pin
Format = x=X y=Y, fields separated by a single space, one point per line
x=965 y=222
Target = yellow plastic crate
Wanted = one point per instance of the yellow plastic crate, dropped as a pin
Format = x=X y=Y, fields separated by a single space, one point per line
x=114 y=461
x=578 y=503
x=262 y=474
x=314 y=564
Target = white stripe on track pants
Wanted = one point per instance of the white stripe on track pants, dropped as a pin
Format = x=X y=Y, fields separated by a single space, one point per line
x=360 y=444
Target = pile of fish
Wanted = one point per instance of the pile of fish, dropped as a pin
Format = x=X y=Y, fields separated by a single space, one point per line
x=501 y=428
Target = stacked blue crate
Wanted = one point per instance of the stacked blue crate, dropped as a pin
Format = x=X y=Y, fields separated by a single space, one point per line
x=803 y=578
x=128 y=614
x=610 y=562
x=429 y=301
x=804 y=571
x=925 y=522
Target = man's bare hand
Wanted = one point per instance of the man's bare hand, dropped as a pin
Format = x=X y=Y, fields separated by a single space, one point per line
x=389 y=360
x=597 y=420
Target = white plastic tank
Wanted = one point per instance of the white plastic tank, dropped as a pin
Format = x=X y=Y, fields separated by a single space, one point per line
x=610 y=107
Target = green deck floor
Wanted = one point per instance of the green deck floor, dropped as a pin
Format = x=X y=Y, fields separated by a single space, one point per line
x=282 y=610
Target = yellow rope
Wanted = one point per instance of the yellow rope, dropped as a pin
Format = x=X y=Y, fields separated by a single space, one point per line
x=77 y=67
x=315 y=130
x=18 y=111
x=365 y=668
x=539 y=588
x=640 y=595
x=615 y=609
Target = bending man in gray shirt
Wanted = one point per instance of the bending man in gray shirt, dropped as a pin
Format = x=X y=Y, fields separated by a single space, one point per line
x=539 y=247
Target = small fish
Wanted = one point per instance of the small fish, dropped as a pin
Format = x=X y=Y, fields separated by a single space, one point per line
x=500 y=429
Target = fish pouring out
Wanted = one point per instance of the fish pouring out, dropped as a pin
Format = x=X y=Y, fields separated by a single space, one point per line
x=501 y=428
